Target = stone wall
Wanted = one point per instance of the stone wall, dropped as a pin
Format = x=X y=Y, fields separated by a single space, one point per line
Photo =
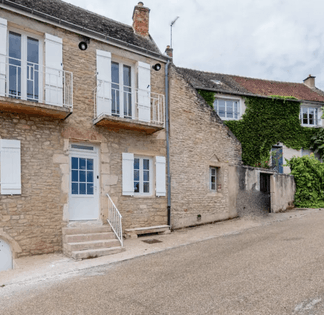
x=35 y=219
x=251 y=201
x=199 y=140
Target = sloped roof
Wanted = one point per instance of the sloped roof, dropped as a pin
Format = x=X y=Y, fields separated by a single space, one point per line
x=233 y=84
x=85 y=19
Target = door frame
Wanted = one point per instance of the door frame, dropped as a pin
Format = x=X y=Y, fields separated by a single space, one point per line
x=83 y=153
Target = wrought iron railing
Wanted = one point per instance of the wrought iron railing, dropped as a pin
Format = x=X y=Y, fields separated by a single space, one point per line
x=123 y=101
x=31 y=81
x=115 y=220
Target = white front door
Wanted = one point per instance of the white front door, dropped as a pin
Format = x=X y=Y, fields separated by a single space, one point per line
x=84 y=190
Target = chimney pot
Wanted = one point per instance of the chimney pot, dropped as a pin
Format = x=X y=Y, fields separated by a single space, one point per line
x=141 y=16
x=310 y=81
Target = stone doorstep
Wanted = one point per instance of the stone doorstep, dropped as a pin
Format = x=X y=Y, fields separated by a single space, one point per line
x=84 y=242
x=89 y=237
x=79 y=246
x=93 y=253
x=86 y=230
x=133 y=233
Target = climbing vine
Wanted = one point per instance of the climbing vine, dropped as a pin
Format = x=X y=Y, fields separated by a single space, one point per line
x=208 y=96
x=309 y=177
x=266 y=122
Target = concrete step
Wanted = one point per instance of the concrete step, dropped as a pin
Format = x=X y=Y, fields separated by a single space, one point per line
x=81 y=246
x=86 y=230
x=160 y=229
x=89 y=237
x=93 y=253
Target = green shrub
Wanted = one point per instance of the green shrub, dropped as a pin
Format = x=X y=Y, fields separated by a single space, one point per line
x=309 y=178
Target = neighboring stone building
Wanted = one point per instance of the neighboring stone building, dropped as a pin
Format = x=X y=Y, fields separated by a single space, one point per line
x=229 y=104
x=82 y=128
x=204 y=155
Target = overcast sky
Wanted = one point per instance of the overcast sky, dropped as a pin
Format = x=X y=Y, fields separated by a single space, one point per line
x=269 y=39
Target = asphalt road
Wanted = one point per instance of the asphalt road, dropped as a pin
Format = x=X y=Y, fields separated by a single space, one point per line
x=274 y=269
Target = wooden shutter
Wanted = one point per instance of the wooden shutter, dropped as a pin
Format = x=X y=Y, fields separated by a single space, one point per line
x=3 y=53
x=103 y=82
x=160 y=176
x=53 y=70
x=144 y=91
x=319 y=116
x=10 y=167
x=128 y=174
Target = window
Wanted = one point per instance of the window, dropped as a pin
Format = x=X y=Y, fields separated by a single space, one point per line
x=121 y=90
x=142 y=175
x=309 y=116
x=24 y=66
x=82 y=176
x=227 y=109
x=213 y=172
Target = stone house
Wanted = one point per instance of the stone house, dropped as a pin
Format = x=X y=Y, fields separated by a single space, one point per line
x=82 y=130
x=229 y=103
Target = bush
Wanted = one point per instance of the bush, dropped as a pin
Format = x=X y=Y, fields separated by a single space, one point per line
x=309 y=179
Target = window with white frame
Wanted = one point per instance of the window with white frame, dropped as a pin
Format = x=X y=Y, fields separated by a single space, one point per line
x=227 y=109
x=142 y=175
x=24 y=62
x=309 y=116
x=121 y=90
x=138 y=175
x=213 y=174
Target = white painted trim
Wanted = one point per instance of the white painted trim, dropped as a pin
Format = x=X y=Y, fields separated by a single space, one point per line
x=235 y=98
x=151 y=176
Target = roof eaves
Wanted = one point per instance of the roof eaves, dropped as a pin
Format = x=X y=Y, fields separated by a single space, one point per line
x=88 y=32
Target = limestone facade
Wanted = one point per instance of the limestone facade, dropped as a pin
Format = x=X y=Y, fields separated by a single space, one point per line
x=34 y=219
x=199 y=141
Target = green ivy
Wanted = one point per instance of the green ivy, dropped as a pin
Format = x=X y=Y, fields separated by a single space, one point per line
x=266 y=122
x=317 y=142
x=208 y=96
x=309 y=177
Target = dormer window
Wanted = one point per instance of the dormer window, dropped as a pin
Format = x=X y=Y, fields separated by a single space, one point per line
x=227 y=109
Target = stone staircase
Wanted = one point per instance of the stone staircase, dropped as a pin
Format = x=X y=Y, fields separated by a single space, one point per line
x=89 y=242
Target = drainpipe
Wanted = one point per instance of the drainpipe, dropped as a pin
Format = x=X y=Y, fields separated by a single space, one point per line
x=167 y=139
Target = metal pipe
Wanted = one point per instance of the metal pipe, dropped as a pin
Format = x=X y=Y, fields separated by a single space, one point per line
x=167 y=139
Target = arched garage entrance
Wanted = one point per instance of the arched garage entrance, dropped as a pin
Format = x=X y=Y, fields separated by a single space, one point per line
x=5 y=256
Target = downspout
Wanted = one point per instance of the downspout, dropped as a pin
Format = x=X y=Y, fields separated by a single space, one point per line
x=167 y=139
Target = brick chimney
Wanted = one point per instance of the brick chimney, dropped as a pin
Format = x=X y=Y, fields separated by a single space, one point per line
x=141 y=16
x=310 y=81
x=169 y=51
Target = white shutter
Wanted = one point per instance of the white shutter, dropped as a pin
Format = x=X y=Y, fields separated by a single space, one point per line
x=53 y=70
x=128 y=174
x=144 y=91
x=103 y=82
x=10 y=167
x=3 y=53
x=160 y=176
x=319 y=116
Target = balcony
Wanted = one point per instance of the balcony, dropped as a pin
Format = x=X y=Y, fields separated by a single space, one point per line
x=124 y=107
x=29 y=88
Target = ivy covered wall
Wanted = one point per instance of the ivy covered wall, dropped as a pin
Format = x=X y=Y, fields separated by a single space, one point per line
x=266 y=122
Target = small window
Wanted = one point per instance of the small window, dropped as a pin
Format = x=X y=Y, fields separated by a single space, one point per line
x=142 y=176
x=213 y=174
x=227 y=109
x=308 y=116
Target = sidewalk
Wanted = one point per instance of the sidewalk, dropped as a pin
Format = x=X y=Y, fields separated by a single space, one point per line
x=35 y=269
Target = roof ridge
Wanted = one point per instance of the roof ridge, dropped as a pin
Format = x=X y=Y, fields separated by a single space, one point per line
x=243 y=77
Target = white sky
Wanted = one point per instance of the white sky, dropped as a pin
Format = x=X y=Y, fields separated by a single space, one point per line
x=269 y=39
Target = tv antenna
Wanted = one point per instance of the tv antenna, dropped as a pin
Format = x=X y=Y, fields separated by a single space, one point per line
x=172 y=23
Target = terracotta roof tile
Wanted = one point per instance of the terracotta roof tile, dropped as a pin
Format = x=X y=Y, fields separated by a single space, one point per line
x=244 y=85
